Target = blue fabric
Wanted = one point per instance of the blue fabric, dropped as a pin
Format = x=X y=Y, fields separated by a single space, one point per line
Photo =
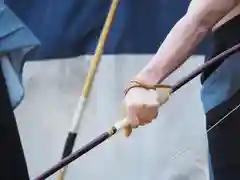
x=222 y=83
x=70 y=28
x=16 y=40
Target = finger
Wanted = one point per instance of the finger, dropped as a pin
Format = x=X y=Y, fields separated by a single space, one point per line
x=155 y=116
x=146 y=116
x=153 y=110
x=128 y=128
x=127 y=131
x=145 y=123
x=131 y=116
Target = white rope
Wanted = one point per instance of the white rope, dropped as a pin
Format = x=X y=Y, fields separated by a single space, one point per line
x=205 y=135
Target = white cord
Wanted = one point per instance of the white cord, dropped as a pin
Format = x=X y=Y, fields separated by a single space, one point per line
x=222 y=119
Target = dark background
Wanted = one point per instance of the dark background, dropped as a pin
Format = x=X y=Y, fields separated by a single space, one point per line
x=68 y=28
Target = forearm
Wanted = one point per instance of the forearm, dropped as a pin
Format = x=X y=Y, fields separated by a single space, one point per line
x=174 y=51
x=184 y=38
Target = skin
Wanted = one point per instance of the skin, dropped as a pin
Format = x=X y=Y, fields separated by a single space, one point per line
x=229 y=16
x=202 y=17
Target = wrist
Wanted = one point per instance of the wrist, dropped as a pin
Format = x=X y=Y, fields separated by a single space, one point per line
x=146 y=77
x=150 y=75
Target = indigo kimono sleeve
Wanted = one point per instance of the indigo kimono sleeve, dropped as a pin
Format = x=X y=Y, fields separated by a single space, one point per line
x=16 y=42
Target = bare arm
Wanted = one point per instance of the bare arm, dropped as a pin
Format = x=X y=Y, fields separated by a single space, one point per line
x=184 y=38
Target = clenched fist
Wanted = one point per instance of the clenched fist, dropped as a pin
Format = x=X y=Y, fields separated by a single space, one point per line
x=141 y=104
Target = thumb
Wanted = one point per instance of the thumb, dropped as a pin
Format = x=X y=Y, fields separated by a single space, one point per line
x=128 y=128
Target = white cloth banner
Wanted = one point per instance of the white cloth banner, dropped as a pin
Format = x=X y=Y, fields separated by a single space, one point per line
x=45 y=116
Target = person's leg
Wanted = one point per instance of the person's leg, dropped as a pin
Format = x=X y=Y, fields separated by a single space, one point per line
x=221 y=94
x=211 y=176
x=224 y=140
x=12 y=162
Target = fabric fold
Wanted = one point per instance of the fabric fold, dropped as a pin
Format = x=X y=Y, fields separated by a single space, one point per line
x=16 y=42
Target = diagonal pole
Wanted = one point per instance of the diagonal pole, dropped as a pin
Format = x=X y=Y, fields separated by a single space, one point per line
x=123 y=123
x=71 y=138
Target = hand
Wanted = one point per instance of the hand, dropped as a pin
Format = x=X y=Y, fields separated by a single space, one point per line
x=141 y=106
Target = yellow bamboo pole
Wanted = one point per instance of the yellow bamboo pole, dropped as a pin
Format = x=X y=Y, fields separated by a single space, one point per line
x=87 y=86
